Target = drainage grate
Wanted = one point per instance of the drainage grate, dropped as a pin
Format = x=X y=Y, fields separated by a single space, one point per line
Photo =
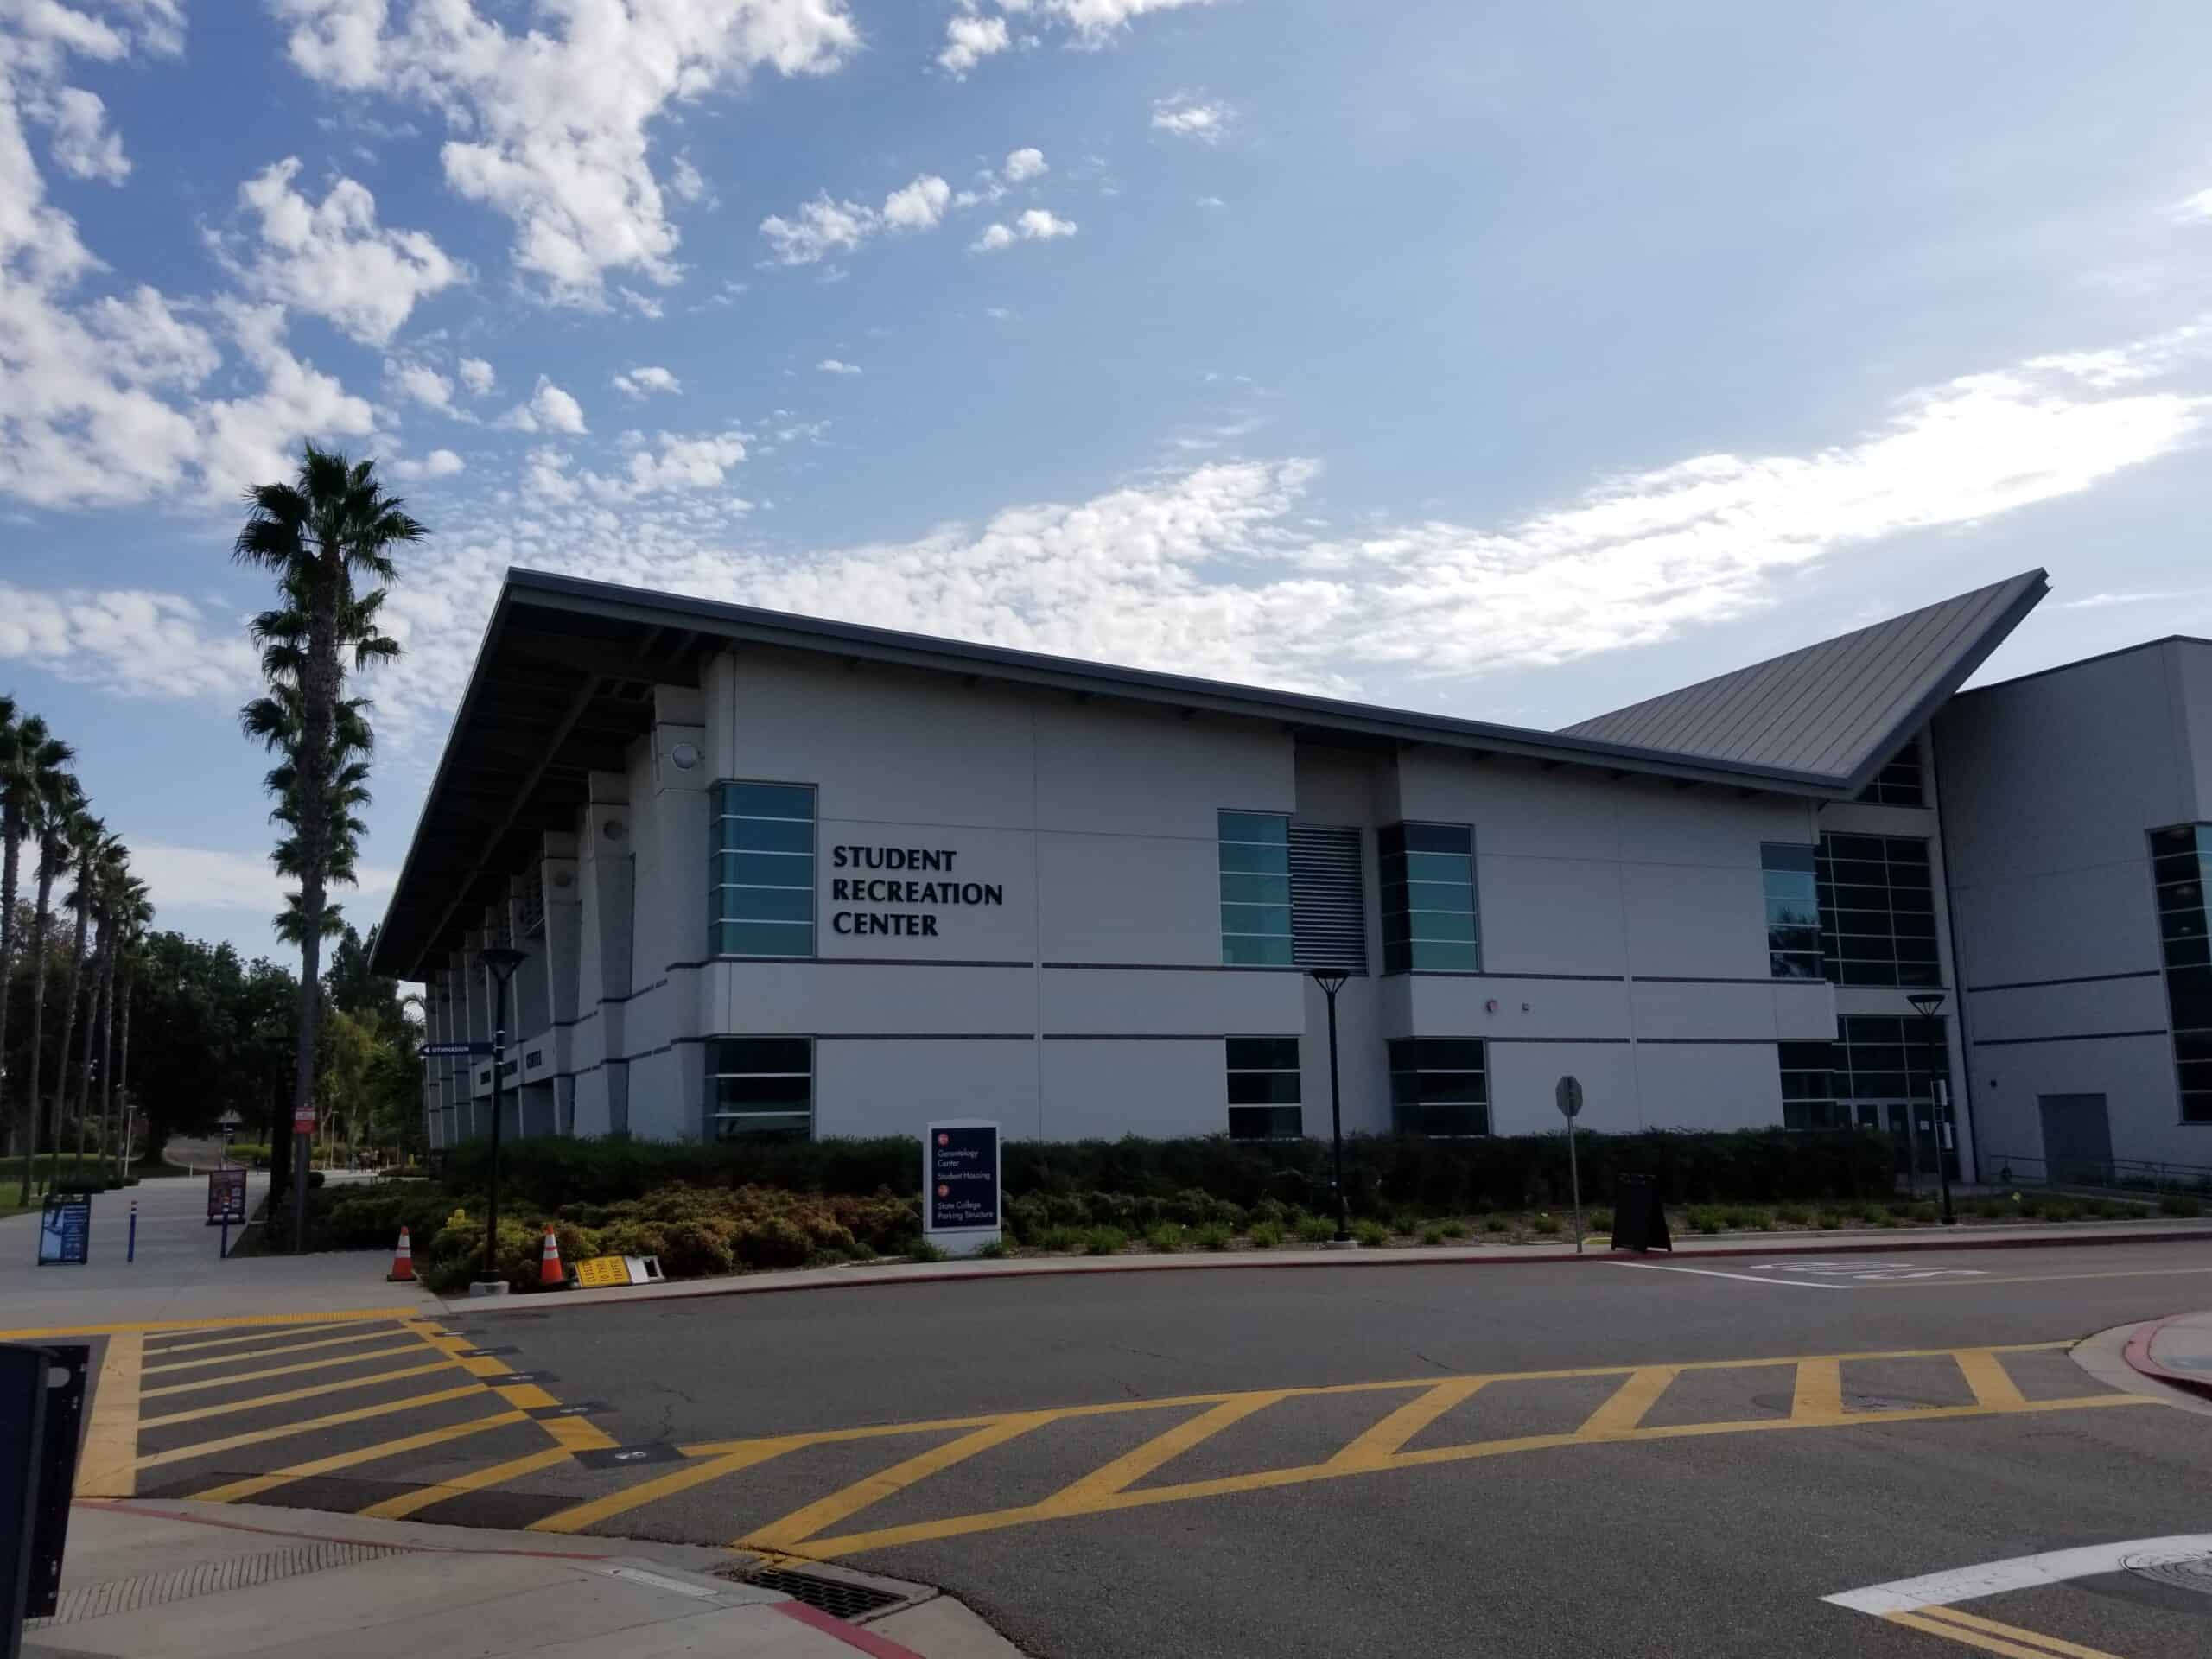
x=208 y=1579
x=837 y=1597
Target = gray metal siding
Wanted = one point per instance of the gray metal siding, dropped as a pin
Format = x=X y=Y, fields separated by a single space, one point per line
x=1837 y=708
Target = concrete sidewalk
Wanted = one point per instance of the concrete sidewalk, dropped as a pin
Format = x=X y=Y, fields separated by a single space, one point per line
x=178 y=1274
x=2177 y=1350
x=181 y=1580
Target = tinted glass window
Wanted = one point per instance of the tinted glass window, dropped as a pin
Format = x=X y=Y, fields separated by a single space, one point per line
x=760 y=870
x=1255 y=848
x=1263 y=1088
x=1431 y=918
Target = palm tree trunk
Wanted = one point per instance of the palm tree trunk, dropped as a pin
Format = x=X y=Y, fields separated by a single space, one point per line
x=123 y=1054
x=40 y=917
x=11 y=838
x=111 y=1141
x=69 y=1030
x=319 y=707
x=92 y=1039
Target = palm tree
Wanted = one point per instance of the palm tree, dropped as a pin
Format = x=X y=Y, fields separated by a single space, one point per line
x=110 y=868
x=330 y=529
x=53 y=809
x=88 y=840
x=138 y=914
x=30 y=756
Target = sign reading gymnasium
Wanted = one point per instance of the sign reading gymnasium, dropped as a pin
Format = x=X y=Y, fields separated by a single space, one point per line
x=912 y=882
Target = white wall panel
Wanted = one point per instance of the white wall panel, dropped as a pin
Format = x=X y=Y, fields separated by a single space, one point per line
x=1107 y=1090
x=896 y=1087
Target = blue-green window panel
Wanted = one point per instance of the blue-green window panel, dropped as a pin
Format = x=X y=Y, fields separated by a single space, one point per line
x=761 y=869
x=1239 y=950
x=763 y=836
x=1255 y=889
x=1244 y=857
x=762 y=905
x=748 y=939
x=1271 y=828
x=794 y=801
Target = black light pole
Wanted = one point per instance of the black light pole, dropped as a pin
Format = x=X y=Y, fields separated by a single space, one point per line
x=1931 y=1004
x=1331 y=980
x=501 y=962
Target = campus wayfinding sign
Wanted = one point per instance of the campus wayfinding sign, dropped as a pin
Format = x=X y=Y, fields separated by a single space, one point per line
x=447 y=1050
x=960 y=1184
x=65 y=1230
x=227 y=1197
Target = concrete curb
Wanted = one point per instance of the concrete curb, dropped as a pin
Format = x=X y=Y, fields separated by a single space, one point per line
x=1855 y=1244
x=2139 y=1358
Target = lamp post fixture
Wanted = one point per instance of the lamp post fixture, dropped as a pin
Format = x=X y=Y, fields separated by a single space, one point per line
x=1930 y=1005
x=1331 y=980
x=501 y=962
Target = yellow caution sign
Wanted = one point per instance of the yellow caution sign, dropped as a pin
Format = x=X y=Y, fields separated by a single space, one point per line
x=602 y=1271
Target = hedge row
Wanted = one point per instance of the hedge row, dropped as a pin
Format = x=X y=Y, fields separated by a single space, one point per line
x=1382 y=1174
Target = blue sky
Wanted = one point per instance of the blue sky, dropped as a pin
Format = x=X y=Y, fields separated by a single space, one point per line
x=1512 y=361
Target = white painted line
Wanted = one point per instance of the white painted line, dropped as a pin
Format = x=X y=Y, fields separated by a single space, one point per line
x=639 y=1575
x=1714 y=1272
x=2022 y=1572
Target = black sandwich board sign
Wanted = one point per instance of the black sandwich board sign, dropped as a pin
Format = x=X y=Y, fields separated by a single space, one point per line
x=65 y=1230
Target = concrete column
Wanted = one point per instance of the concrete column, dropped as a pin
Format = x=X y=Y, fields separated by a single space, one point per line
x=560 y=947
x=603 y=924
x=668 y=1096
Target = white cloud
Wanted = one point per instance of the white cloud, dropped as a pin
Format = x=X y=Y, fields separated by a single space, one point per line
x=205 y=877
x=821 y=226
x=1209 y=201
x=974 y=32
x=547 y=409
x=83 y=145
x=1033 y=225
x=1186 y=116
x=477 y=376
x=1232 y=569
x=105 y=402
x=918 y=205
x=128 y=641
x=680 y=465
x=832 y=365
x=438 y=463
x=1039 y=225
x=552 y=127
x=644 y=382
x=420 y=384
x=2198 y=206
x=330 y=259
x=1024 y=164
x=969 y=40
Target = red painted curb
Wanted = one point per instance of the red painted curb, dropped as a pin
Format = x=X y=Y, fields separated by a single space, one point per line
x=747 y=1285
x=2139 y=1359
x=853 y=1636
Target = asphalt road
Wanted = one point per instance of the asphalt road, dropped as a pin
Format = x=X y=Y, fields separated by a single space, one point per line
x=1584 y=1459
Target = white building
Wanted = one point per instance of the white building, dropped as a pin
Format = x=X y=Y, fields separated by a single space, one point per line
x=773 y=873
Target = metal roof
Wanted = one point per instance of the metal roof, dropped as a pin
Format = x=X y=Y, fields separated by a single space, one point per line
x=562 y=686
x=1839 y=709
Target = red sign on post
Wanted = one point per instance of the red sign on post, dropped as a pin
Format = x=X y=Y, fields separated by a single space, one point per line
x=304 y=1120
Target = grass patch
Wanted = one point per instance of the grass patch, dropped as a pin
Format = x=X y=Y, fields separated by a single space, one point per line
x=1214 y=1236
x=1792 y=1215
x=1104 y=1241
x=1168 y=1238
x=1431 y=1237
x=996 y=1249
x=1546 y=1224
x=2180 y=1204
x=1370 y=1234
x=1601 y=1221
x=1705 y=1218
x=1497 y=1224
x=923 y=1250
x=1454 y=1229
x=1315 y=1229
x=1265 y=1235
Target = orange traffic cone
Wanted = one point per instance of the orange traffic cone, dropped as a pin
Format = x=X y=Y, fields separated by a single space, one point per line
x=551 y=1276
x=403 y=1261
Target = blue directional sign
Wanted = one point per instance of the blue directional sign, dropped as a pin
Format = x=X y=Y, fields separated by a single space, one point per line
x=439 y=1051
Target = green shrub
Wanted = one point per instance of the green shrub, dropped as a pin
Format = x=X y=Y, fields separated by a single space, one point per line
x=1104 y=1241
x=1546 y=1223
x=1432 y=1235
x=1836 y=1220
x=1060 y=1239
x=995 y=1250
x=1926 y=1214
x=1601 y=1221
x=1189 y=1180
x=2177 y=1203
x=1873 y=1214
x=1316 y=1230
x=922 y=1250
x=1792 y=1215
x=1454 y=1229
x=1167 y=1237
x=1214 y=1236
x=1372 y=1234
x=1989 y=1209
x=2059 y=1210
x=1705 y=1218
x=1265 y=1235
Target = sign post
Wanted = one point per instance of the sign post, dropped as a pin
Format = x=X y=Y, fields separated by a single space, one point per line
x=65 y=1230
x=1569 y=1096
x=960 y=1184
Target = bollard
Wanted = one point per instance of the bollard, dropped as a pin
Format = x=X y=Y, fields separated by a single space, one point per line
x=130 y=1244
x=222 y=1240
